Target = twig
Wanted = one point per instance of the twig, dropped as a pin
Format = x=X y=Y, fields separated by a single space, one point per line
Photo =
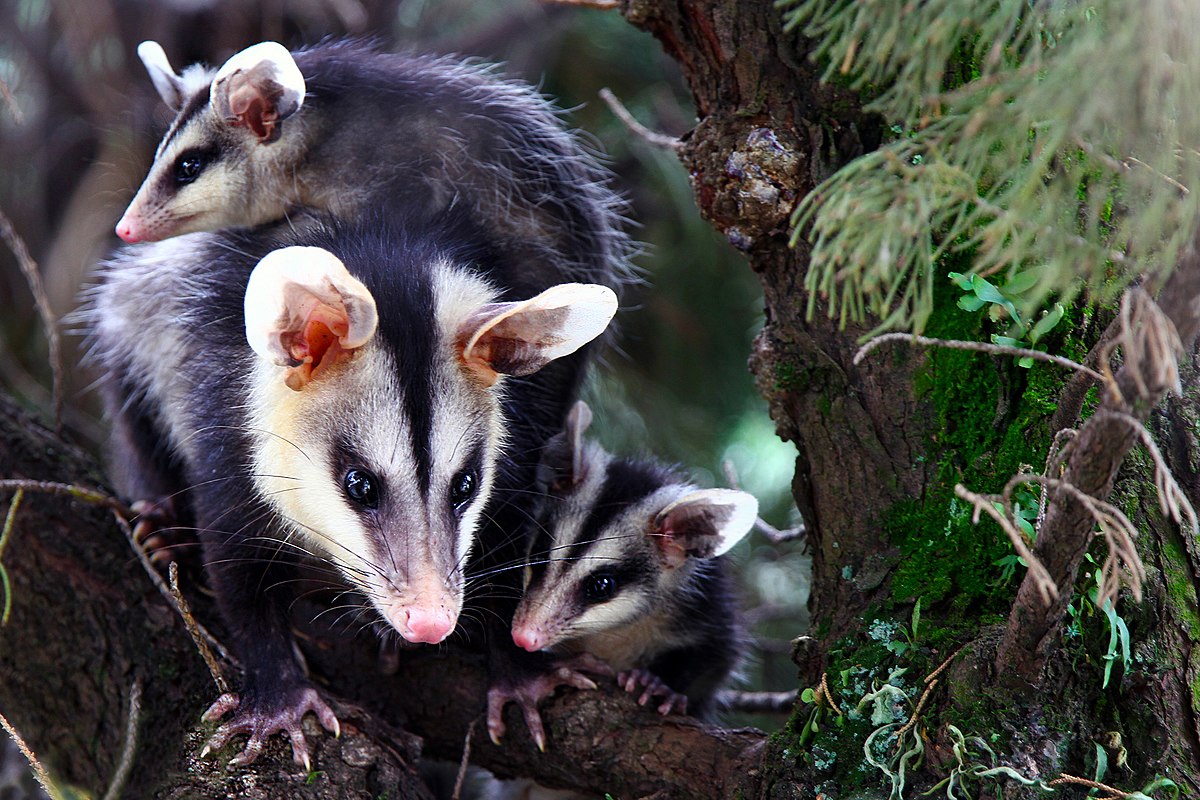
x=164 y=590
x=34 y=278
x=915 y=715
x=10 y=519
x=653 y=137
x=18 y=115
x=1116 y=528
x=39 y=772
x=193 y=628
x=1037 y=572
x=121 y=775
x=466 y=760
x=1171 y=499
x=933 y=675
x=765 y=528
x=603 y=5
x=93 y=496
x=757 y=702
x=982 y=347
x=823 y=691
x=1066 y=779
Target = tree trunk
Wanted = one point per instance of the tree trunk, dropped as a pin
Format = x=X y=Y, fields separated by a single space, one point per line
x=881 y=447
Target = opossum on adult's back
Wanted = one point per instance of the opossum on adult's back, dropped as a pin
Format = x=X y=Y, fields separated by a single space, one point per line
x=343 y=128
x=337 y=390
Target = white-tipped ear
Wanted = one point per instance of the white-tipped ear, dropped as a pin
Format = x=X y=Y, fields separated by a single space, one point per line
x=305 y=311
x=521 y=338
x=170 y=87
x=578 y=421
x=704 y=524
x=258 y=89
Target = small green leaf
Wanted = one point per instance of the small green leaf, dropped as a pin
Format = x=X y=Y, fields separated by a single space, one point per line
x=1006 y=341
x=808 y=696
x=1101 y=763
x=916 y=618
x=969 y=302
x=1021 y=283
x=1047 y=322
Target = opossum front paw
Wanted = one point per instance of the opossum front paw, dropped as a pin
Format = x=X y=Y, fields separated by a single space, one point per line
x=529 y=691
x=260 y=720
x=651 y=686
x=154 y=529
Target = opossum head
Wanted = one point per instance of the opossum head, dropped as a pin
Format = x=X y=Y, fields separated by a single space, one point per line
x=224 y=158
x=619 y=540
x=376 y=420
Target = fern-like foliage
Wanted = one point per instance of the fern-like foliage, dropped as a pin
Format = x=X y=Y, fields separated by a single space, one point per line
x=1040 y=136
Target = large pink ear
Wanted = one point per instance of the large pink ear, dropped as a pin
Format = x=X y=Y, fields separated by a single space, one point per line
x=703 y=524
x=257 y=89
x=305 y=311
x=520 y=338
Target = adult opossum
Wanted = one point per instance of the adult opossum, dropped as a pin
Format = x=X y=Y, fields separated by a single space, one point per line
x=626 y=567
x=336 y=391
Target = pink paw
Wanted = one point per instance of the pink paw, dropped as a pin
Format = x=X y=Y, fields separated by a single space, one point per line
x=651 y=686
x=528 y=692
x=261 y=720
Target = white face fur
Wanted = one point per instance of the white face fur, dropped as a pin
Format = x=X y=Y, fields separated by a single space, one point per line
x=327 y=417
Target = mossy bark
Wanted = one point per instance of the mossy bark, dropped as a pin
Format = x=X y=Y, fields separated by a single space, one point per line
x=882 y=445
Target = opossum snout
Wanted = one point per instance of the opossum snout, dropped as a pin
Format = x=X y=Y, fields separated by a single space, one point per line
x=127 y=229
x=422 y=617
x=530 y=637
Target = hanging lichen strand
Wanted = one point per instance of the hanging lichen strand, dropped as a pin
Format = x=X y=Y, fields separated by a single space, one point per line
x=1054 y=140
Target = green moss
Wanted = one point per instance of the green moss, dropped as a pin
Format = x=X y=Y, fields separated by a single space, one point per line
x=990 y=423
x=1180 y=589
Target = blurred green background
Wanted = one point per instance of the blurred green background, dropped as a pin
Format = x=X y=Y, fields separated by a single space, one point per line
x=80 y=129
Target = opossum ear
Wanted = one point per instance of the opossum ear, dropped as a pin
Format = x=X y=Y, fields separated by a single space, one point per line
x=170 y=87
x=258 y=88
x=305 y=311
x=563 y=466
x=703 y=524
x=521 y=338
x=578 y=422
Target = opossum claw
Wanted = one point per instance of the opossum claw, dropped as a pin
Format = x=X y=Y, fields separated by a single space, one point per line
x=634 y=679
x=528 y=692
x=261 y=724
x=154 y=527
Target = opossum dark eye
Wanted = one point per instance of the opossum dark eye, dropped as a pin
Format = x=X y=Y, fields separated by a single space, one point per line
x=462 y=487
x=600 y=586
x=189 y=166
x=362 y=487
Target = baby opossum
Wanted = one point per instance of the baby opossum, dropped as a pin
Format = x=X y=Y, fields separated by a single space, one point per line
x=626 y=567
x=335 y=391
x=342 y=128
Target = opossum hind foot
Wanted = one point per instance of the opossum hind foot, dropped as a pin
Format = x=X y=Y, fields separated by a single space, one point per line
x=261 y=720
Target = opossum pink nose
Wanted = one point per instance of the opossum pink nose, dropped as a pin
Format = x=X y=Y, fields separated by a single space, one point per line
x=529 y=638
x=127 y=231
x=428 y=625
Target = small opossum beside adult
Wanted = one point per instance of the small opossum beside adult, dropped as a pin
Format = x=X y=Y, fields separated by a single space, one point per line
x=336 y=391
x=342 y=128
x=626 y=567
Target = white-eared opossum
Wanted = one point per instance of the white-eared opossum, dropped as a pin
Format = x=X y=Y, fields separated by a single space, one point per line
x=342 y=128
x=335 y=391
x=626 y=567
